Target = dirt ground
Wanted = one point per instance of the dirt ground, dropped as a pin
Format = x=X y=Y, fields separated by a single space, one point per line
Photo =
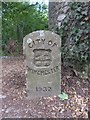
x=15 y=104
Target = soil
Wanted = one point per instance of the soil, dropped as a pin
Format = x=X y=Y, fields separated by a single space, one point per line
x=15 y=103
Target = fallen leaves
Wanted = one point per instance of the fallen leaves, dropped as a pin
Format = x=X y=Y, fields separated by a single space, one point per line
x=63 y=96
x=71 y=103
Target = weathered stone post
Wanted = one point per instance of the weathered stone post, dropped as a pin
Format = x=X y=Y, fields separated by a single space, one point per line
x=43 y=63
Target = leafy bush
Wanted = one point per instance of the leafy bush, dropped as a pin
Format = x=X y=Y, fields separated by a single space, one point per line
x=19 y=19
x=75 y=32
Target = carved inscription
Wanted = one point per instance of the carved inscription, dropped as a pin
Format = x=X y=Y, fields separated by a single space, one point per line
x=44 y=89
x=32 y=43
x=43 y=72
x=42 y=57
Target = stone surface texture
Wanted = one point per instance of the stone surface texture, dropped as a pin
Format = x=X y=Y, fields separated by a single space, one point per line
x=43 y=63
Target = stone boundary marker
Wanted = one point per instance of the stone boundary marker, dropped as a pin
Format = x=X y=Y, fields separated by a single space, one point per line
x=43 y=63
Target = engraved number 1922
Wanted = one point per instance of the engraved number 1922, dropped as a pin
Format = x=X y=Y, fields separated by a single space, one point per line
x=44 y=89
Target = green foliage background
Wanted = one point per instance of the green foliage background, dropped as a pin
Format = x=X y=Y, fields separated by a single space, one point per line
x=75 y=34
x=19 y=19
